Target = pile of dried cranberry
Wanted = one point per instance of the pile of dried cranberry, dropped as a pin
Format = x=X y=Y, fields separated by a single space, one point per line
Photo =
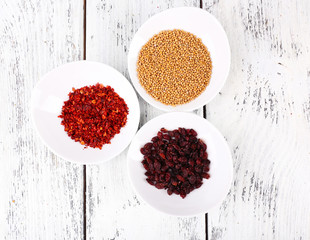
x=176 y=160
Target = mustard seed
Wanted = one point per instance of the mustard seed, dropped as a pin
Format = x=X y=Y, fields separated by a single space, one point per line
x=174 y=67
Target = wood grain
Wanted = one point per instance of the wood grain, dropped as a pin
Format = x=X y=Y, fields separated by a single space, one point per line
x=114 y=211
x=41 y=195
x=263 y=111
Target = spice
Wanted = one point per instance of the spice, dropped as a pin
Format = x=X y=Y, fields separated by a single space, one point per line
x=93 y=115
x=174 y=67
x=176 y=161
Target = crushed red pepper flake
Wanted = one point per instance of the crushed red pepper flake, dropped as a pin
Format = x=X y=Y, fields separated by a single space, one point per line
x=93 y=115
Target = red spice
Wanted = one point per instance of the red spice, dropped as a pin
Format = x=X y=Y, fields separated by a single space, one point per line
x=93 y=115
x=176 y=160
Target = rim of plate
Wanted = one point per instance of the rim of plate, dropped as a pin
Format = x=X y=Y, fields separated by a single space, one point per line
x=141 y=195
x=133 y=56
x=32 y=108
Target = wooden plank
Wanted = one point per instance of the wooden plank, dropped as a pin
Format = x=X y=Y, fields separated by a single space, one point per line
x=263 y=111
x=114 y=211
x=41 y=195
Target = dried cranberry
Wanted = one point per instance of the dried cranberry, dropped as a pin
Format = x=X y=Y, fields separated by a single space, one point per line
x=184 y=173
x=170 y=164
x=174 y=183
x=159 y=185
x=203 y=145
x=191 y=162
x=178 y=166
x=150 y=181
x=194 y=146
x=179 y=177
x=162 y=177
x=168 y=175
x=205 y=156
x=206 y=175
x=160 y=135
x=162 y=155
x=148 y=146
x=205 y=168
x=193 y=132
x=176 y=192
x=192 y=179
x=198 y=185
x=183 y=194
x=157 y=165
x=164 y=168
x=170 y=191
x=142 y=150
x=176 y=161
x=163 y=130
x=198 y=169
x=149 y=160
x=154 y=139
x=146 y=166
x=166 y=137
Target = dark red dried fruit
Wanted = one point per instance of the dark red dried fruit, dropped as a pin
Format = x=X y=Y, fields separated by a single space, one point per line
x=178 y=166
x=191 y=162
x=198 y=185
x=160 y=135
x=165 y=168
x=193 y=132
x=142 y=150
x=176 y=161
x=162 y=155
x=205 y=168
x=206 y=175
x=192 y=179
x=160 y=185
x=150 y=181
x=162 y=177
x=184 y=173
x=157 y=165
x=198 y=161
x=174 y=183
x=168 y=175
x=169 y=191
x=170 y=164
x=179 y=177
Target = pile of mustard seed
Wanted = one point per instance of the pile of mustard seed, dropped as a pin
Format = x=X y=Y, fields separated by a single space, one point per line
x=174 y=67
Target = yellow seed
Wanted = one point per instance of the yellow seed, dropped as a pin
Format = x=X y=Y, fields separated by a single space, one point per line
x=174 y=67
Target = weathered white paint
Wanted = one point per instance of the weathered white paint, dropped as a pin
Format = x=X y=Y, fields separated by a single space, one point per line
x=114 y=211
x=41 y=195
x=264 y=112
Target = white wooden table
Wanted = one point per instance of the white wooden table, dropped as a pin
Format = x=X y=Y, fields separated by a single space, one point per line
x=263 y=111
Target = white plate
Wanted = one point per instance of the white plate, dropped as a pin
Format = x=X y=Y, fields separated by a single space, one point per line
x=211 y=193
x=48 y=98
x=203 y=25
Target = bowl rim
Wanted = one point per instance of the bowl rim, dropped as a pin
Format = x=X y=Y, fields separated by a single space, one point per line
x=206 y=210
x=151 y=100
x=33 y=121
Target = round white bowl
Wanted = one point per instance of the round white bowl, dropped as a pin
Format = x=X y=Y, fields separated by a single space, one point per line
x=201 y=200
x=48 y=98
x=203 y=25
